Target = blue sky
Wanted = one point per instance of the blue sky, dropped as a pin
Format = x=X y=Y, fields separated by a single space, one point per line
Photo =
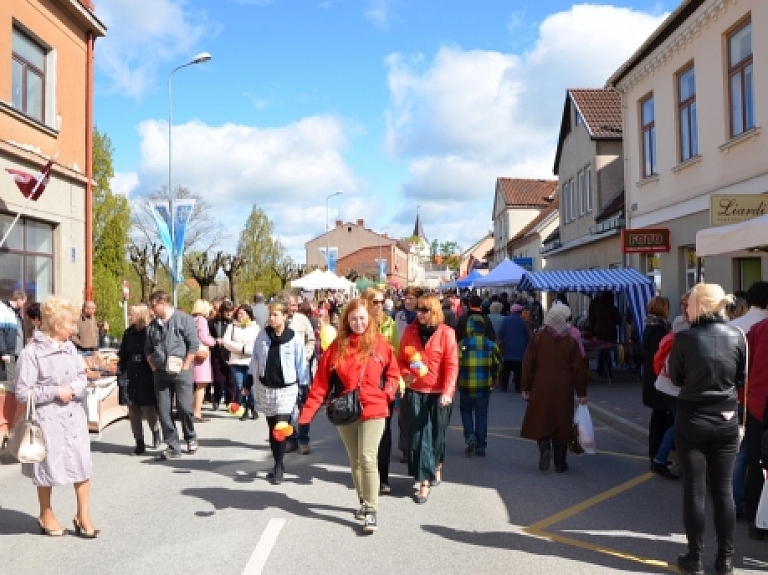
x=397 y=103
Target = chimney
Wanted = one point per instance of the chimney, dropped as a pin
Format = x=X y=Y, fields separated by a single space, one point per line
x=339 y=223
x=360 y=223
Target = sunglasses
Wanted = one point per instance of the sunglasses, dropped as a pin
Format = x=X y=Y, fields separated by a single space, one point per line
x=378 y=301
x=422 y=309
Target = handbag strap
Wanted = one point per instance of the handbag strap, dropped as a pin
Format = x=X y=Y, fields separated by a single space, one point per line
x=30 y=410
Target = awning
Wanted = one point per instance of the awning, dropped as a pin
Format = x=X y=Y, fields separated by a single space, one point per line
x=507 y=273
x=747 y=238
x=469 y=280
x=637 y=288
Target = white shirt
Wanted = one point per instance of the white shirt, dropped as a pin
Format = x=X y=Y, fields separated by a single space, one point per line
x=753 y=316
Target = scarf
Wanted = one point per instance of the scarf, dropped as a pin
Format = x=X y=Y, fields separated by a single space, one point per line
x=657 y=320
x=409 y=316
x=556 y=320
x=426 y=332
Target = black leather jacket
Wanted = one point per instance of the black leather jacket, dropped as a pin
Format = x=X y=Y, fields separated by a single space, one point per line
x=708 y=361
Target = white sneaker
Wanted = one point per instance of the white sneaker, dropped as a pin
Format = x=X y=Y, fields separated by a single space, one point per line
x=370 y=524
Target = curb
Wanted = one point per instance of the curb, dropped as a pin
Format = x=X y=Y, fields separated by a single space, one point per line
x=631 y=430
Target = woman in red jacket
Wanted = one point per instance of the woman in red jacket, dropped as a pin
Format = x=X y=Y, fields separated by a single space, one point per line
x=429 y=363
x=359 y=357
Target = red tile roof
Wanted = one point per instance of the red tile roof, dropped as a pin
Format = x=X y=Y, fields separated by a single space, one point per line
x=520 y=192
x=543 y=214
x=600 y=109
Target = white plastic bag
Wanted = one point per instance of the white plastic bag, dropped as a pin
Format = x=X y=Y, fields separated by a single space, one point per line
x=761 y=517
x=586 y=432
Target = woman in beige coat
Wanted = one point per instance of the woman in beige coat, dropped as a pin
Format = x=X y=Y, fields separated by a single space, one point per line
x=51 y=372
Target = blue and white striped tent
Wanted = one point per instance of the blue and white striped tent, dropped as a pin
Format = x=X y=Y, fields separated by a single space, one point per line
x=637 y=288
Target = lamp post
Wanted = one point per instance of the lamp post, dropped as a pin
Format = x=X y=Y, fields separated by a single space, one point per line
x=199 y=59
x=327 y=229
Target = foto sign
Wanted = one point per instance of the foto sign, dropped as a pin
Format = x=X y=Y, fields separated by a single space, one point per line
x=645 y=241
x=727 y=209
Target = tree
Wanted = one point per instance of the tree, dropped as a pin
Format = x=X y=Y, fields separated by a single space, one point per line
x=445 y=253
x=111 y=222
x=232 y=266
x=203 y=270
x=146 y=263
x=261 y=253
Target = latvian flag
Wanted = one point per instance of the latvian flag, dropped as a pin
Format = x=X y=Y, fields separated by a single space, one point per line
x=32 y=186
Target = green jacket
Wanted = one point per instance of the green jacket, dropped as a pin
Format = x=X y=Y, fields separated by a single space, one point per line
x=388 y=328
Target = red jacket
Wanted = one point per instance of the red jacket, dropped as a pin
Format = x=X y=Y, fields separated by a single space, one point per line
x=757 y=377
x=380 y=367
x=441 y=357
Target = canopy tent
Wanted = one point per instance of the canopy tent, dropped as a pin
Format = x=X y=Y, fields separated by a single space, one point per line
x=322 y=280
x=308 y=281
x=469 y=280
x=507 y=273
x=637 y=288
x=745 y=238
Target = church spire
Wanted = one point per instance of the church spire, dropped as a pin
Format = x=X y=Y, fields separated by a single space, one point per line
x=418 y=229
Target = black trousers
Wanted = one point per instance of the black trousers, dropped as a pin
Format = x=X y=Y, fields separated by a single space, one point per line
x=755 y=476
x=277 y=447
x=707 y=444
x=661 y=420
x=385 y=447
x=511 y=367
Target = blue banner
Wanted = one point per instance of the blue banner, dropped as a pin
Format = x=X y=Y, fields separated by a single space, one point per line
x=330 y=258
x=382 y=269
x=162 y=216
x=173 y=245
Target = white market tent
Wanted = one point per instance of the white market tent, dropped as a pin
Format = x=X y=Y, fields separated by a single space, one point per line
x=322 y=280
x=744 y=238
x=507 y=273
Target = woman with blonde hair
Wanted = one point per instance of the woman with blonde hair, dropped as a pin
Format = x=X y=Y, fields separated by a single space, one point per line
x=388 y=329
x=202 y=371
x=137 y=387
x=359 y=358
x=708 y=363
x=52 y=375
x=429 y=363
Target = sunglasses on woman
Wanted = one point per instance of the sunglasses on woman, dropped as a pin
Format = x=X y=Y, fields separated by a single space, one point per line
x=378 y=302
x=422 y=309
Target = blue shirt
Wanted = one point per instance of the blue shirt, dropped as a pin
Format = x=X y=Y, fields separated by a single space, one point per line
x=514 y=337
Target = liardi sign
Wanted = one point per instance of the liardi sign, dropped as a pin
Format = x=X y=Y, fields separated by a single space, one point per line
x=644 y=241
x=727 y=209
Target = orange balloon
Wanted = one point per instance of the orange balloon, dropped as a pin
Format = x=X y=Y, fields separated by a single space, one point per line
x=409 y=350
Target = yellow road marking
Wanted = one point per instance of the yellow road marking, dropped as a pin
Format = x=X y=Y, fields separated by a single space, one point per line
x=538 y=529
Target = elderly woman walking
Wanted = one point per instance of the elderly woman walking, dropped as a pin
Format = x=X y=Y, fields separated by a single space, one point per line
x=553 y=370
x=52 y=375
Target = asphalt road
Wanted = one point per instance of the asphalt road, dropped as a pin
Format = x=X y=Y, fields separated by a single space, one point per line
x=214 y=512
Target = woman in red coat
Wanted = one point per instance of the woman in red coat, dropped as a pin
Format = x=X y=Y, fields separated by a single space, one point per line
x=358 y=357
x=429 y=363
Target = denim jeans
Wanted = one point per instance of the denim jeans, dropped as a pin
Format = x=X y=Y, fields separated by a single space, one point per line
x=662 y=455
x=474 y=417
x=239 y=372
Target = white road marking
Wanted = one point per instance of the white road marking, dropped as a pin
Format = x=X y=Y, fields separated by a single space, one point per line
x=264 y=547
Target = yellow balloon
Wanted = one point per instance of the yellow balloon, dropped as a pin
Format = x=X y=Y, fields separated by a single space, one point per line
x=416 y=357
x=327 y=335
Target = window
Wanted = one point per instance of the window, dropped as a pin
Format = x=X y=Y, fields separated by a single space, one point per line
x=648 y=122
x=691 y=265
x=572 y=199
x=653 y=270
x=740 y=80
x=28 y=76
x=588 y=189
x=686 y=107
x=750 y=271
x=581 y=194
x=564 y=202
x=26 y=261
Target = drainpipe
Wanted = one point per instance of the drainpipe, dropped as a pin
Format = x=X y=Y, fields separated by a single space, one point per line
x=88 y=291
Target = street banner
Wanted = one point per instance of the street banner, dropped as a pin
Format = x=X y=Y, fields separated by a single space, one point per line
x=330 y=261
x=183 y=213
x=382 y=263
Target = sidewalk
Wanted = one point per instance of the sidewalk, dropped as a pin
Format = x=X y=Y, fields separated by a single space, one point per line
x=620 y=404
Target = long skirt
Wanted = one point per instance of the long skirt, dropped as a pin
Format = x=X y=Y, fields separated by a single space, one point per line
x=427 y=424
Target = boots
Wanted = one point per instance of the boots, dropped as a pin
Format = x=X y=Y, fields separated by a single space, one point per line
x=560 y=452
x=156 y=438
x=244 y=416
x=141 y=448
x=545 y=454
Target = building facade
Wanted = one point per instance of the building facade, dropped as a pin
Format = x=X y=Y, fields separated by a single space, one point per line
x=693 y=96
x=46 y=110
x=347 y=238
x=525 y=247
x=590 y=171
x=363 y=262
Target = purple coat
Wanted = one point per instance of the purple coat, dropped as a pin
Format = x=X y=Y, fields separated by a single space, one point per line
x=42 y=368
x=202 y=369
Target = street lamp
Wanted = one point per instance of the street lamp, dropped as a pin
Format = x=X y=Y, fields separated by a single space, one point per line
x=327 y=229
x=199 y=59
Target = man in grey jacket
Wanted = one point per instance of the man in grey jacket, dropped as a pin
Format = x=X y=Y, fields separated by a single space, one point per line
x=170 y=347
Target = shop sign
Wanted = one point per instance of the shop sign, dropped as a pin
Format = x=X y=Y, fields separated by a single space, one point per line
x=644 y=241
x=727 y=209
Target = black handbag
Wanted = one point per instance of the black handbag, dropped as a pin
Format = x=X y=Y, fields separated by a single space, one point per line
x=345 y=408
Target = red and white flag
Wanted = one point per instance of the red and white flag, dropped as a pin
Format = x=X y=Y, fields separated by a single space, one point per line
x=32 y=186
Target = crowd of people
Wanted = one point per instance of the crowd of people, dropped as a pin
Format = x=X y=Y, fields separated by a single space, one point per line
x=286 y=356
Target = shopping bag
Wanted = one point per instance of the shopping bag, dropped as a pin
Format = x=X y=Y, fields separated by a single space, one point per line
x=585 y=431
x=761 y=517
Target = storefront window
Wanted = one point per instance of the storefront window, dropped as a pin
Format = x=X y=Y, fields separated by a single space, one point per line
x=653 y=270
x=750 y=271
x=690 y=268
x=26 y=260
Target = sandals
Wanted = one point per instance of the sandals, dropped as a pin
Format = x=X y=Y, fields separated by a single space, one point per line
x=438 y=477
x=51 y=532
x=421 y=498
x=80 y=532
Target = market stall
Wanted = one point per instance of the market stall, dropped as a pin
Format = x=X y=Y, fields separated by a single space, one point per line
x=635 y=287
x=507 y=273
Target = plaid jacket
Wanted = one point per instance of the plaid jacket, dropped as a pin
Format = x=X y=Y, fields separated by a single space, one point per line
x=479 y=360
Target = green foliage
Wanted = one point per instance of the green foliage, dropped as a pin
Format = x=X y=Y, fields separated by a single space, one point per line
x=262 y=253
x=445 y=253
x=111 y=223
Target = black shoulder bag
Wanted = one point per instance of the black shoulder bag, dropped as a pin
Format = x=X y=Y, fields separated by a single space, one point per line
x=345 y=408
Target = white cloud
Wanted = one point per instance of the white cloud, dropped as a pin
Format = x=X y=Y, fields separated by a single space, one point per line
x=469 y=116
x=379 y=12
x=136 y=44
x=123 y=183
x=286 y=171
